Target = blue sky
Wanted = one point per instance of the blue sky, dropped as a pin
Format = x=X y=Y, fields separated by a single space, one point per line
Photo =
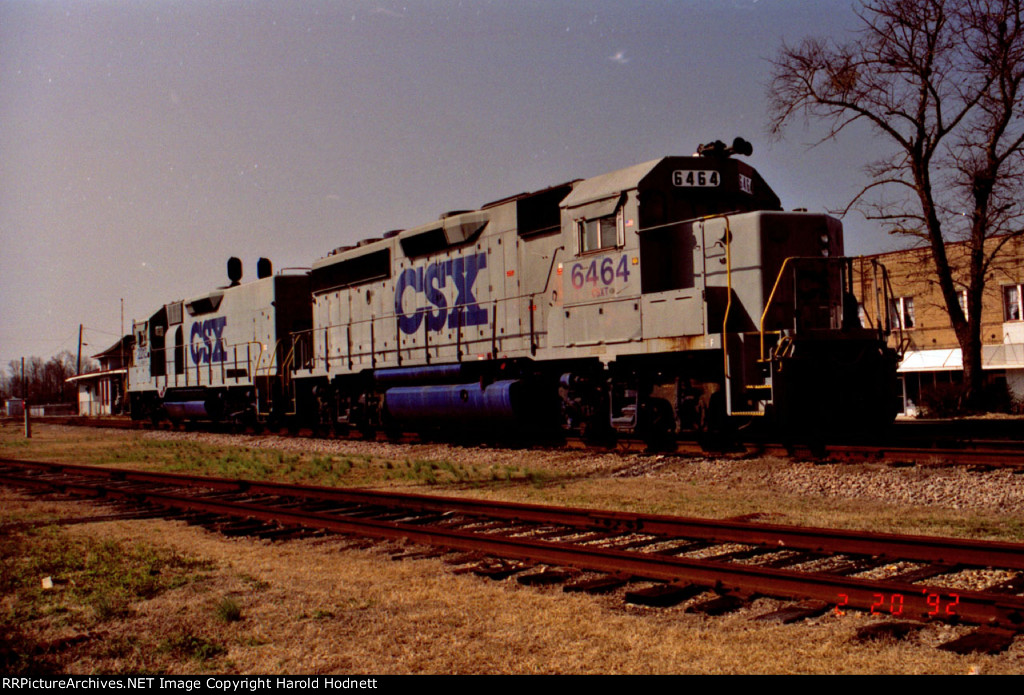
x=143 y=142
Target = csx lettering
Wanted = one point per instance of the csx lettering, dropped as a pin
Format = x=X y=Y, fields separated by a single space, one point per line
x=205 y=341
x=430 y=282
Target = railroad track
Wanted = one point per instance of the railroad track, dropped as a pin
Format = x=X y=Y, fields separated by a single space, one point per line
x=714 y=565
x=964 y=451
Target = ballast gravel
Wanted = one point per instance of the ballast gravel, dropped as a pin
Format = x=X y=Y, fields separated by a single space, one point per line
x=950 y=487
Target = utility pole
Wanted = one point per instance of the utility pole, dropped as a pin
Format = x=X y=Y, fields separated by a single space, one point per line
x=78 y=369
x=121 y=334
x=24 y=401
x=123 y=385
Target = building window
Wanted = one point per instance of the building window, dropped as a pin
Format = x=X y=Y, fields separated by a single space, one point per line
x=1012 y=303
x=599 y=233
x=901 y=312
x=961 y=297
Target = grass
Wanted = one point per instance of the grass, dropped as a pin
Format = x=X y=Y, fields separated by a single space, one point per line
x=440 y=473
x=103 y=574
x=263 y=463
x=506 y=477
x=228 y=610
x=91 y=582
x=193 y=647
x=121 y=606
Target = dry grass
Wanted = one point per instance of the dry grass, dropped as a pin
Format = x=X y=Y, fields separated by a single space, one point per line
x=319 y=606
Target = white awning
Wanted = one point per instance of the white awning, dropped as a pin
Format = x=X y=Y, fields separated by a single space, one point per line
x=91 y=376
x=944 y=360
x=1005 y=356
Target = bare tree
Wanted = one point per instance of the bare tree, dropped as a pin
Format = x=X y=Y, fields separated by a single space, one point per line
x=44 y=381
x=941 y=82
x=55 y=373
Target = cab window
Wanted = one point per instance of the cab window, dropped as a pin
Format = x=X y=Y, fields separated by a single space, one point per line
x=600 y=233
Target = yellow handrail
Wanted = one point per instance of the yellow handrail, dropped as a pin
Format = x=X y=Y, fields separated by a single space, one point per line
x=285 y=376
x=771 y=298
x=728 y=302
x=270 y=364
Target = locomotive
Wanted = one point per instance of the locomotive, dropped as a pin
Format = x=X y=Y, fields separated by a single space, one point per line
x=670 y=296
x=222 y=355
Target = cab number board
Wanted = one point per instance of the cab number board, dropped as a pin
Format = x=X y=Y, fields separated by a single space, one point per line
x=695 y=178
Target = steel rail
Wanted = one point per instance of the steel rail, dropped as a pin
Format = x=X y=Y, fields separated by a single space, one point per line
x=1009 y=455
x=930 y=549
x=921 y=602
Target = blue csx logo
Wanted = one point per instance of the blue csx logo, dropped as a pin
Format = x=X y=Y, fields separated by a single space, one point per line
x=430 y=281
x=205 y=341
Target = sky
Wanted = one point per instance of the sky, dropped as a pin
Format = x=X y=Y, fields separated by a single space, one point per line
x=143 y=142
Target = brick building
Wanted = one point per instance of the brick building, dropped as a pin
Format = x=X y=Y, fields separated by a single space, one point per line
x=932 y=363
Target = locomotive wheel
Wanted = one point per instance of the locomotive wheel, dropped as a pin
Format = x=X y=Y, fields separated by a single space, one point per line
x=657 y=423
x=594 y=431
x=716 y=429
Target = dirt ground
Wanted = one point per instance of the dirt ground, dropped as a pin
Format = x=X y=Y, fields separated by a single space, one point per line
x=336 y=605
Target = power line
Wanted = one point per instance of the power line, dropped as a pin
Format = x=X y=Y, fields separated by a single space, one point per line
x=97 y=330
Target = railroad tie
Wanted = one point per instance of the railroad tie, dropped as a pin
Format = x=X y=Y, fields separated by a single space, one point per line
x=793 y=613
x=663 y=595
x=983 y=640
x=547 y=576
x=726 y=603
x=598 y=585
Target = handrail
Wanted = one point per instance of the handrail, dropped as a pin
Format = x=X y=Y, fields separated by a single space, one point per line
x=284 y=374
x=728 y=281
x=270 y=364
x=252 y=367
x=884 y=327
x=728 y=305
x=489 y=331
x=887 y=297
x=270 y=355
x=771 y=298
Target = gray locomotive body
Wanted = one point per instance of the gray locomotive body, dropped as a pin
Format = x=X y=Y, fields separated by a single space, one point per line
x=222 y=356
x=671 y=295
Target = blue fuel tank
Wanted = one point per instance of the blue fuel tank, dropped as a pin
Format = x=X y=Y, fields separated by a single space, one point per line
x=496 y=403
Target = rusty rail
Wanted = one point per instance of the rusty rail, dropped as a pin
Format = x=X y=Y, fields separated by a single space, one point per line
x=435 y=520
